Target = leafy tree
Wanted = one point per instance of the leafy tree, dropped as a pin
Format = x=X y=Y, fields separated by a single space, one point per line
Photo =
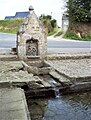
x=48 y=22
x=79 y=10
x=53 y=23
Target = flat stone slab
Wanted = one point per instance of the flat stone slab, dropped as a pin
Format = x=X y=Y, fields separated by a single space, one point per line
x=73 y=56
x=13 y=105
x=78 y=68
x=12 y=74
x=59 y=78
x=6 y=66
x=8 y=57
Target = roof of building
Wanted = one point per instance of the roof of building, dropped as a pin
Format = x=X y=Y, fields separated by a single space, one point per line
x=9 y=17
x=18 y=15
x=21 y=14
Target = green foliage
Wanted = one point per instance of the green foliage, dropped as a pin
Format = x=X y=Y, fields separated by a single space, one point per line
x=59 y=33
x=49 y=23
x=71 y=35
x=53 y=32
x=45 y=17
x=79 y=10
x=53 y=23
x=87 y=37
x=10 y=26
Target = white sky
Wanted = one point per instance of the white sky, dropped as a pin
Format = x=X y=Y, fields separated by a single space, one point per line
x=10 y=7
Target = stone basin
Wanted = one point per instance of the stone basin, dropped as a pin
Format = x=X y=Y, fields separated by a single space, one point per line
x=37 y=67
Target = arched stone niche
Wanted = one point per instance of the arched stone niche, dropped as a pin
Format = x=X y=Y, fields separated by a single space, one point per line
x=32 y=47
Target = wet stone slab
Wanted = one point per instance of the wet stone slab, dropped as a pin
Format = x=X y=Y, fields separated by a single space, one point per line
x=13 y=105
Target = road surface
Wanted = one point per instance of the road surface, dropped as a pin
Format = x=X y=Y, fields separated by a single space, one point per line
x=8 y=41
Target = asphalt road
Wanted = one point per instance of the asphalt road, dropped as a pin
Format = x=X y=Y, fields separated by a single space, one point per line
x=54 y=45
x=68 y=46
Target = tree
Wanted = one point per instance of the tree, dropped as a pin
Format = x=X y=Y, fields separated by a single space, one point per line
x=48 y=22
x=79 y=10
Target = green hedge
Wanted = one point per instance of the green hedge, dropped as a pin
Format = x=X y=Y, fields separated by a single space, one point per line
x=70 y=35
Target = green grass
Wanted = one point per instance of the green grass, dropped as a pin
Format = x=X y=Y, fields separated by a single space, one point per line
x=51 y=33
x=58 y=34
x=87 y=37
x=54 y=31
x=10 y=26
x=70 y=35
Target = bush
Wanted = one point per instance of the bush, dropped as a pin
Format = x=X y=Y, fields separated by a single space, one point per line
x=70 y=35
x=49 y=23
x=87 y=37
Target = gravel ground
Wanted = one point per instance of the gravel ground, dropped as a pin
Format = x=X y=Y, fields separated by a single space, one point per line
x=73 y=68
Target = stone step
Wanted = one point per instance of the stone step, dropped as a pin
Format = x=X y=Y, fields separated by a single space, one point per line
x=60 y=78
x=80 y=87
x=13 y=104
x=45 y=84
x=68 y=56
x=8 y=57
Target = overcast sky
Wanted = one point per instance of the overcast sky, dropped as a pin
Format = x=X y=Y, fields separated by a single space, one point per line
x=54 y=7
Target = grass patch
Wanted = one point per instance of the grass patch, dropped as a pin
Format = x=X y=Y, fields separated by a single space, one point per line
x=10 y=26
x=87 y=37
x=70 y=35
x=54 y=31
x=58 y=34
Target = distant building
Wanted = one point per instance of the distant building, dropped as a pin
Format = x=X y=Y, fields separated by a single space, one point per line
x=21 y=14
x=9 y=17
x=65 y=22
x=17 y=15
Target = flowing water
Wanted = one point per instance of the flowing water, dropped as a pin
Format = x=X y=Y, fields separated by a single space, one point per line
x=56 y=89
x=68 y=107
x=62 y=107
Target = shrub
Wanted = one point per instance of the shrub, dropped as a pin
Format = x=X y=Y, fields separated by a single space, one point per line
x=87 y=37
x=71 y=35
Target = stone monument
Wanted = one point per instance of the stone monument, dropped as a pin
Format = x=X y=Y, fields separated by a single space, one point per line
x=31 y=38
x=65 y=23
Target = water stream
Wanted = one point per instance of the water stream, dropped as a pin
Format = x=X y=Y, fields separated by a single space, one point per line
x=57 y=93
x=61 y=107
x=56 y=89
x=68 y=107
